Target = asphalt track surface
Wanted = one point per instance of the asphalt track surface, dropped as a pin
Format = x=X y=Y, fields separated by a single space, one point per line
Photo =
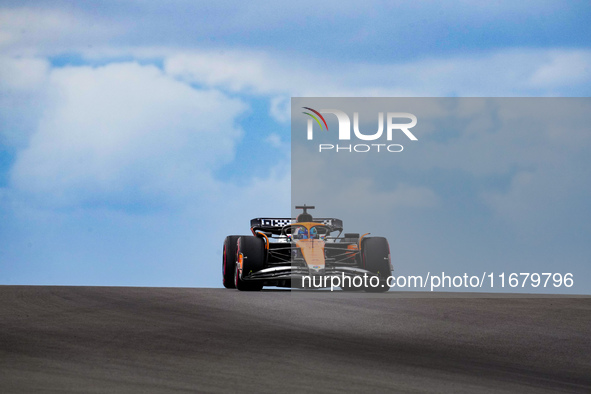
x=106 y=339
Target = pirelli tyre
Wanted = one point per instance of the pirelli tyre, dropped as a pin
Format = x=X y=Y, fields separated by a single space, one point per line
x=375 y=254
x=252 y=252
x=229 y=261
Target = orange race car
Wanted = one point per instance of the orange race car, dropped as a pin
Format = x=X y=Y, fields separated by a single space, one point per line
x=305 y=252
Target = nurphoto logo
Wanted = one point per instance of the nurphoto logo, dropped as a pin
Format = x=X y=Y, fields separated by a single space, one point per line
x=344 y=132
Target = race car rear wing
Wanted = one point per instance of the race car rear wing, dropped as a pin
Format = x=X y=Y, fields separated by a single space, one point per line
x=274 y=225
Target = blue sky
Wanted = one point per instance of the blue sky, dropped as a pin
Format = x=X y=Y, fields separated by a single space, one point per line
x=135 y=135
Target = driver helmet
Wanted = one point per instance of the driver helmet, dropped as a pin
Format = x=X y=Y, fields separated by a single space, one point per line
x=301 y=233
x=314 y=233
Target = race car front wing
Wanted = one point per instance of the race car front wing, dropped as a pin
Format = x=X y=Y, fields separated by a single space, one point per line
x=297 y=272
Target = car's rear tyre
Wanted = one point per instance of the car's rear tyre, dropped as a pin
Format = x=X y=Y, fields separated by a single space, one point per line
x=375 y=253
x=252 y=250
x=229 y=261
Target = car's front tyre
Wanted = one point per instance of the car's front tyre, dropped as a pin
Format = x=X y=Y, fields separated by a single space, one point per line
x=251 y=250
x=229 y=261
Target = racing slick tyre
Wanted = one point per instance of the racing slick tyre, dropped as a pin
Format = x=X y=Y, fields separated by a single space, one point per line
x=375 y=253
x=229 y=261
x=252 y=250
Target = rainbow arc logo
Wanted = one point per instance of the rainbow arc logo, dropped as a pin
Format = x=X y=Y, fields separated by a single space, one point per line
x=315 y=118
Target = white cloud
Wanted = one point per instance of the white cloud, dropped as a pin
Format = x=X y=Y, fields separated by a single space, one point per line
x=563 y=68
x=506 y=72
x=126 y=133
x=274 y=140
x=22 y=74
x=234 y=70
x=546 y=204
x=494 y=136
x=281 y=108
x=23 y=83
x=29 y=31
x=330 y=181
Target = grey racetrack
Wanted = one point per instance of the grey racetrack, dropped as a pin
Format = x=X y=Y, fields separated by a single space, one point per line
x=108 y=339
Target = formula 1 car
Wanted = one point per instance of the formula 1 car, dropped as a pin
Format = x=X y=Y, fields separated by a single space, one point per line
x=284 y=251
